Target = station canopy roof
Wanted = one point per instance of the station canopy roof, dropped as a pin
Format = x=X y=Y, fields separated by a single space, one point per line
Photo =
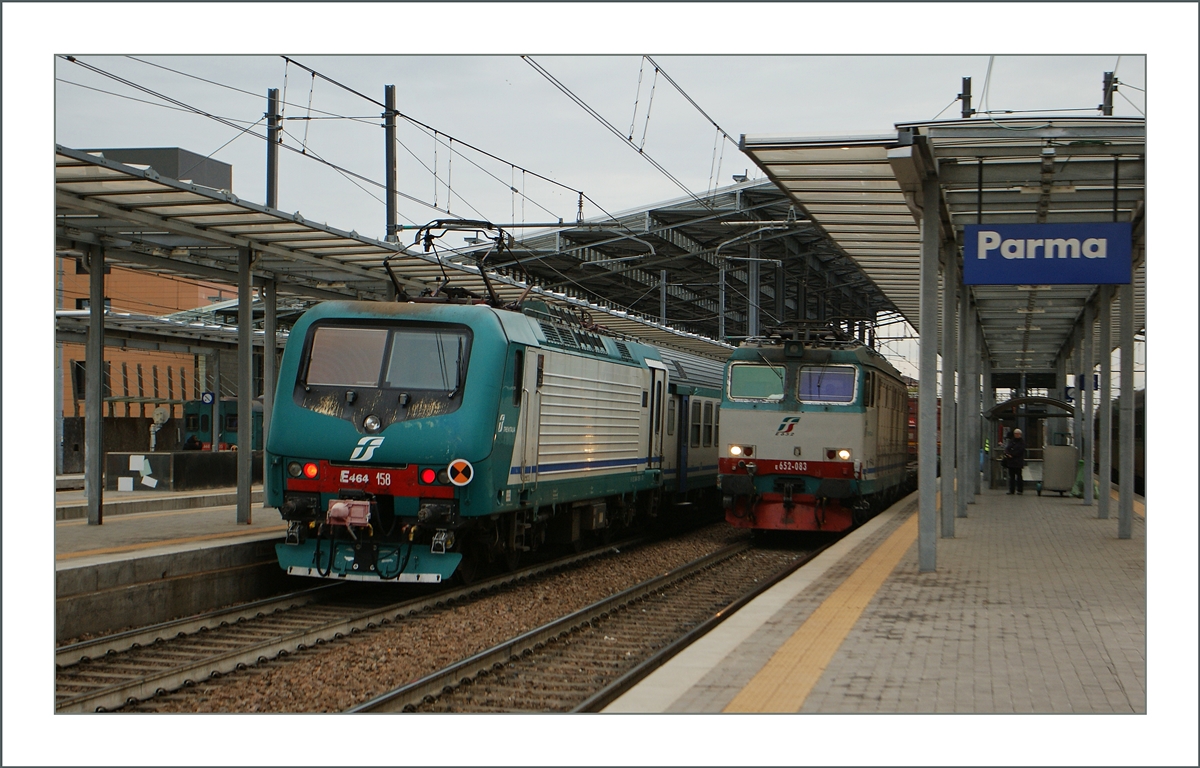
x=609 y=267
x=865 y=193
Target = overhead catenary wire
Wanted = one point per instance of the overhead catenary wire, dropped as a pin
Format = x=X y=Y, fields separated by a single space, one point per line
x=142 y=101
x=196 y=110
x=1135 y=106
x=637 y=96
x=324 y=115
x=600 y=118
x=240 y=134
x=690 y=100
x=179 y=105
x=649 y=106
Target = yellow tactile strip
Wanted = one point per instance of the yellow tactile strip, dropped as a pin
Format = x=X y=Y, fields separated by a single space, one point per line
x=1138 y=506
x=785 y=681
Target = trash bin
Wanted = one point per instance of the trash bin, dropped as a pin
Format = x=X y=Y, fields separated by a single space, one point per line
x=1059 y=469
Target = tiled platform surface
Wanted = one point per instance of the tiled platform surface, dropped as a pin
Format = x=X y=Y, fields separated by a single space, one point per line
x=1035 y=607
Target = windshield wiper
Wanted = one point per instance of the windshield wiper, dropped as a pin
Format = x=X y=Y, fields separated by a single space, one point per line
x=782 y=383
x=458 y=371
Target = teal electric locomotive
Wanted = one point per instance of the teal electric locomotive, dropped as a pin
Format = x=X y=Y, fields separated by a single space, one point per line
x=412 y=439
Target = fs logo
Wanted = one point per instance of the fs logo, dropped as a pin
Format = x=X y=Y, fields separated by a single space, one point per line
x=787 y=426
x=366 y=448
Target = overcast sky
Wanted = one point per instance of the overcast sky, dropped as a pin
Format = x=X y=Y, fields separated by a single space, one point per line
x=501 y=104
x=504 y=106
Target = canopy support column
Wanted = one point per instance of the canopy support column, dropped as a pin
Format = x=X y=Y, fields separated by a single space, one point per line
x=967 y=469
x=270 y=346
x=1125 y=431
x=927 y=387
x=950 y=311
x=1104 y=499
x=93 y=415
x=245 y=388
x=1089 y=431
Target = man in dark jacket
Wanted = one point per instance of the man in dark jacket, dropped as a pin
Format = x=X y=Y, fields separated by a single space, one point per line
x=1014 y=460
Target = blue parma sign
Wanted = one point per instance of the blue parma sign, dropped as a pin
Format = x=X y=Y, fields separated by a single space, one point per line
x=1048 y=254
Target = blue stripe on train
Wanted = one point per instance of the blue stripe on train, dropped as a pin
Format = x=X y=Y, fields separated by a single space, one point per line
x=567 y=466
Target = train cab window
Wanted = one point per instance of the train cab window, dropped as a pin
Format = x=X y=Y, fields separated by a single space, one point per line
x=695 y=436
x=350 y=357
x=751 y=381
x=443 y=353
x=671 y=416
x=827 y=384
x=708 y=424
x=343 y=356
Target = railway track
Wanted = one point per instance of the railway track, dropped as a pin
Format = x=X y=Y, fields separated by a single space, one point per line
x=124 y=669
x=583 y=661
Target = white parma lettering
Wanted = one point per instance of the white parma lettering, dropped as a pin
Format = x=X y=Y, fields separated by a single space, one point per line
x=1095 y=248
x=1065 y=248
x=988 y=241
x=1013 y=249
x=1061 y=248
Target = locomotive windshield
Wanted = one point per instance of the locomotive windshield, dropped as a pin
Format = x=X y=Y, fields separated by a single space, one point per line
x=409 y=358
x=827 y=383
x=751 y=381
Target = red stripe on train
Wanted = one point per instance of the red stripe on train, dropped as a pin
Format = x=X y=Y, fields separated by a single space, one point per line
x=833 y=469
x=381 y=481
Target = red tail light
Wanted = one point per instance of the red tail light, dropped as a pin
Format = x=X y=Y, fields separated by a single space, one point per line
x=310 y=470
x=428 y=476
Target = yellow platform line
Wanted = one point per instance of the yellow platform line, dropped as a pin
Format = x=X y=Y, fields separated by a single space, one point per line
x=789 y=676
x=167 y=542
x=1138 y=506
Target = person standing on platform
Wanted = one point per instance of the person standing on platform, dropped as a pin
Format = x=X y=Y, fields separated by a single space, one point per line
x=1014 y=461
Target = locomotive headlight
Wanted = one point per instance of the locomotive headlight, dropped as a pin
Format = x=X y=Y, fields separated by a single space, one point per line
x=372 y=423
x=741 y=450
x=293 y=468
x=844 y=455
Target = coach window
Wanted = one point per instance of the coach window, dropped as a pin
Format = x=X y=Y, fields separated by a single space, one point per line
x=708 y=426
x=750 y=381
x=671 y=416
x=695 y=441
x=717 y=425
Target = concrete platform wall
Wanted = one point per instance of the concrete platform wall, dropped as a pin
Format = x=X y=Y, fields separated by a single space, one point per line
x=109 y=597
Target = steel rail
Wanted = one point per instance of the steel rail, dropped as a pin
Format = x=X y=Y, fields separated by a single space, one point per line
x=75 y=653
x=624 y=683
x=132 y=691
x=426 y=688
